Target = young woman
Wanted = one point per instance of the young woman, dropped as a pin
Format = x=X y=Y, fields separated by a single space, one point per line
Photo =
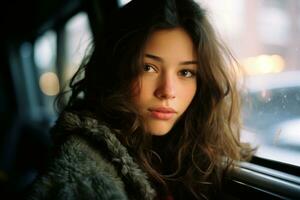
x=156 y=114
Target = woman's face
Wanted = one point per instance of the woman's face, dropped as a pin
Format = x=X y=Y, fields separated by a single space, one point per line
x=168 y=82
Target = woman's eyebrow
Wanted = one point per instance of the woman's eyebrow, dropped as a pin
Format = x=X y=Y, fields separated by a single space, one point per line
x=192 y=62
x=159 y=59
x=154 y=57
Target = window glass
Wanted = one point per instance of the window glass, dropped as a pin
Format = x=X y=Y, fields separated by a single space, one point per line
x=78 y=38
x=45 y=60
x=264 y=37
x=54 y=70
x=123 y=2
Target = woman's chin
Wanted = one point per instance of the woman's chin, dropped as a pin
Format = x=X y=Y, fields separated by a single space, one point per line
x=157 y=133
x=159 y=129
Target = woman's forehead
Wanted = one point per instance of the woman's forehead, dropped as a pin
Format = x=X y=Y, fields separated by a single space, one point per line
x=176 y=41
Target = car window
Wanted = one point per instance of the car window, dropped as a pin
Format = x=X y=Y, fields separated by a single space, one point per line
x=263 y=36
x=78 y=38
x=45 y=60
x=55 y=72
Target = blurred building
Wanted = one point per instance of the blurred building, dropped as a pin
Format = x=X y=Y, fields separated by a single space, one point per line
x=253 y=28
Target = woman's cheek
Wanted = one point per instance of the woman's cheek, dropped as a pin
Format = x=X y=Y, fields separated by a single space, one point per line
x=135 y=88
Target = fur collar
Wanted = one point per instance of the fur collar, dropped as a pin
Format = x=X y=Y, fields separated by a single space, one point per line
x=69 y=122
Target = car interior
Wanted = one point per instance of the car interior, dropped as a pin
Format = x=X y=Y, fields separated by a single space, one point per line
x=25 y=118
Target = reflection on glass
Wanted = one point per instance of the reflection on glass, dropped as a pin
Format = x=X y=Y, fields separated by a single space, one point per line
x=45 y=51
x=123 y=2
x=45 y=55
x=78 y=38
x=49 y=83
x=264 y=37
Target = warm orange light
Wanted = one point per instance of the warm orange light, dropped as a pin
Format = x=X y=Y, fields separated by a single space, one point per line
x=278 y=62
x=49 y=83
x=263 y=64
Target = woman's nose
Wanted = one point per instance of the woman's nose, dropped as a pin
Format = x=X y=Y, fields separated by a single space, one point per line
x=166 y=88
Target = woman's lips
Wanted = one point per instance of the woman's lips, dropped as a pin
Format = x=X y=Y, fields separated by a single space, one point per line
x=162 y=113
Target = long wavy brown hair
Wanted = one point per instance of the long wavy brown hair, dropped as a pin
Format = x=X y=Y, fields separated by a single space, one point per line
x=204 y=143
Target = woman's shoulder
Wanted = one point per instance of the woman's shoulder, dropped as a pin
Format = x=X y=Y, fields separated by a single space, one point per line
x=81 y=141
x=89 y=155
x=76 y=175
x=82 y=157
x=79 y=167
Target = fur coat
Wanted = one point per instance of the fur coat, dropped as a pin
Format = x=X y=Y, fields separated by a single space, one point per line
x=90 y=163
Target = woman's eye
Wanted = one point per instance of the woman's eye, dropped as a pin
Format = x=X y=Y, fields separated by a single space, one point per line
x=149 y=68
x=187 y=73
